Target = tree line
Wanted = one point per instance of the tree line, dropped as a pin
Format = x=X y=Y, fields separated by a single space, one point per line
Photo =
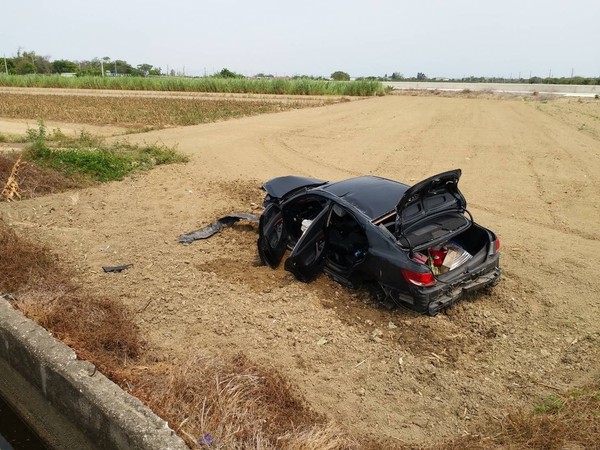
x=29 y=62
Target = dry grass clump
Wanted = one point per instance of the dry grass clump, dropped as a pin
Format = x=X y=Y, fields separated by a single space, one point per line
x=571 y=421
x=33 y=180
x=11 y=189
x=235 y=404
x=319 y=437
x=98 y=329
x=23 y=263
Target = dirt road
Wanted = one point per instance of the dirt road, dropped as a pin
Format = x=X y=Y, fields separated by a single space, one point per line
x=531 y=176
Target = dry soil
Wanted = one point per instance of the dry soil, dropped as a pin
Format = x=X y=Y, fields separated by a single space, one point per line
x=530 y=172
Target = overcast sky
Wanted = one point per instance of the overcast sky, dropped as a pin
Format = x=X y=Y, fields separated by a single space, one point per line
x=452 y=38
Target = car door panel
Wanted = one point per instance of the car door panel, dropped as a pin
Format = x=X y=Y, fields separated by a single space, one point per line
x=272 y=236
x=307 y=259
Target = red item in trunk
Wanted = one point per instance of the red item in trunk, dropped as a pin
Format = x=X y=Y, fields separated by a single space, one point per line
x=438 y=255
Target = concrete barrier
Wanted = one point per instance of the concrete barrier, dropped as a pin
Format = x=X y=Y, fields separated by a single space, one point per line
x=511 y=88
x=73 y=399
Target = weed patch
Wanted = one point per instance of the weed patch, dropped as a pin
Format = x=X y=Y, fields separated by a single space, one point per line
x=103 y=163
x=6 y=138
x=98 y=164
x=54 y=162
x=550 y=405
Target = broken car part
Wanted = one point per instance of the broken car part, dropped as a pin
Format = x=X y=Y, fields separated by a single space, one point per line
x=215 y=227
x=116 y=268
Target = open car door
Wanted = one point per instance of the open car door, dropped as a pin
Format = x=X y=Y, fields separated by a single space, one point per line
x=272 y=236
x=307 y=259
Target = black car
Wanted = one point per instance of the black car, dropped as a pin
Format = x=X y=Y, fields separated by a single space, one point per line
x=418 y=245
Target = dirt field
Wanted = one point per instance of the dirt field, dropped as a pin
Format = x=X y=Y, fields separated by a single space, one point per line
x=531 y=173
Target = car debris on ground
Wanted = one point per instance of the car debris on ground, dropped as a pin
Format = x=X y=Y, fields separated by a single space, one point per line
x=215 y=227
x=120 y=268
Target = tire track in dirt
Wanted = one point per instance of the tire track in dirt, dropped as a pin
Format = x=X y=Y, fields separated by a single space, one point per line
x=283 y=144
x=564 y=177
x=589 y=236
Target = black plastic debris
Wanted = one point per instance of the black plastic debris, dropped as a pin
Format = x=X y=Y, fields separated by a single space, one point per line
x=116 y=268
x=215 y=227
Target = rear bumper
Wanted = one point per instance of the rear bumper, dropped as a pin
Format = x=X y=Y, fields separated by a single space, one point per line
x=447 y=297
x=432 y=300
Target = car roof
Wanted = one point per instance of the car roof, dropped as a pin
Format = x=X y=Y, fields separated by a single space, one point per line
x=374 y=196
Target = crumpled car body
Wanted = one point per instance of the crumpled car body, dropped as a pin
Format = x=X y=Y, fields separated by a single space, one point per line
x=416 y=245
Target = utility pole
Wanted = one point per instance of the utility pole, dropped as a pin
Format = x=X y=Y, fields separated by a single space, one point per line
x=5 y=65
x=102 y=67
x=115 y=67
x=572 y=70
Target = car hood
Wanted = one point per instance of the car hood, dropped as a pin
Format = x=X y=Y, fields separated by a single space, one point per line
x=433 y=195
x=281 y=186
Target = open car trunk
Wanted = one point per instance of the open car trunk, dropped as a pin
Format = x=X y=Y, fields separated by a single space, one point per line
x=433 y=224
x=456 y=255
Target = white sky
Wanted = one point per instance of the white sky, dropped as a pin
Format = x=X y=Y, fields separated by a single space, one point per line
x=452 y=38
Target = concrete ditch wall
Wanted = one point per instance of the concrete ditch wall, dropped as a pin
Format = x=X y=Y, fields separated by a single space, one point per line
x=71 y=396
x=512 y=88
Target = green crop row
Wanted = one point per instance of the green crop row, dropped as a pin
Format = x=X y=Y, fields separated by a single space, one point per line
x=300 y=86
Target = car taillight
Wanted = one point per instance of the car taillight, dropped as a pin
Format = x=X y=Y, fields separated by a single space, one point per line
x=497 y=244
x=418 y=278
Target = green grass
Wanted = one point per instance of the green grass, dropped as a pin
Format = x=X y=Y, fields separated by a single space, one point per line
x=6 y=138
x=300 y=86
x=89 y=157
x=550 y=405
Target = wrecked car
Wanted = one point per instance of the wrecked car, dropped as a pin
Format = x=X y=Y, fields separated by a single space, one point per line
x=417 y=246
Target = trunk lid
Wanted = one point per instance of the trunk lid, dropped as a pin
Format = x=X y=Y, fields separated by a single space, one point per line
x=433 y=195
x=431 y=210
